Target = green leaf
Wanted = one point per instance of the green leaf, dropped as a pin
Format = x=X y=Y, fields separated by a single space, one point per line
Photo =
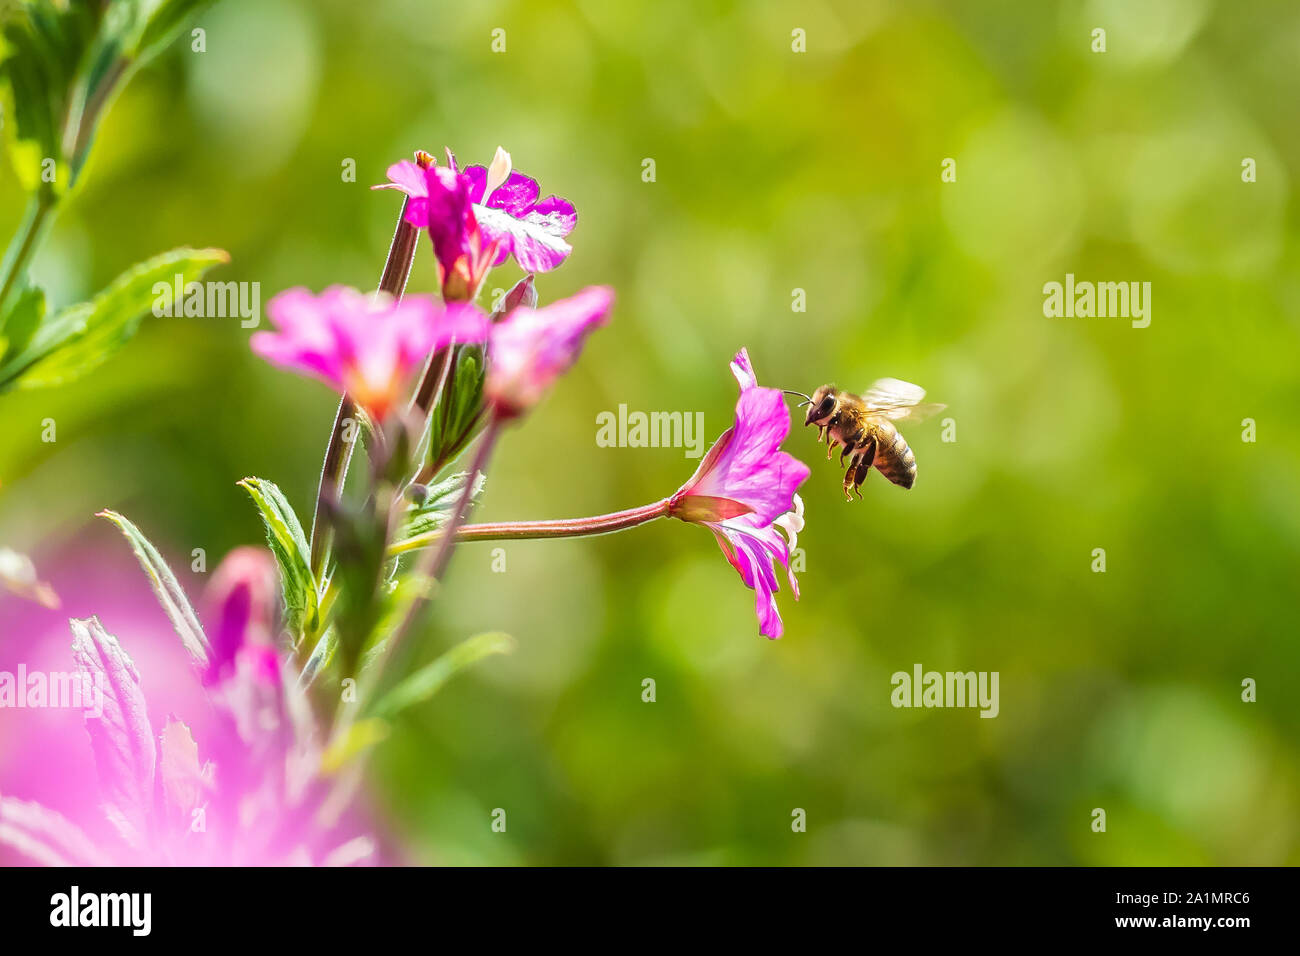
x=322 y=655
x=285 y=536
x=460 y=406
x=357 y=740
x=81 y=337
x=163 y=22
x=429 y=679
x=63 y=63
x=19 y=324
x=434 y=511
x=170 y=595
x=43 y=46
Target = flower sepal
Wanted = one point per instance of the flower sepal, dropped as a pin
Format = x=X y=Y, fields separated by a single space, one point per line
x=707 y=508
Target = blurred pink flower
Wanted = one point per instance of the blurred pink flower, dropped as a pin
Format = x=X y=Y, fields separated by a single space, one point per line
x=256 y=802
x=495 y=201
x=744 y=489
x=366 y=346
x=530 y=348
x=242 y=602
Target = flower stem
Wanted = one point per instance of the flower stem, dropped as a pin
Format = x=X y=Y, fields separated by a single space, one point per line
x=18 y=256
x=433 y=568
x=338 y=452
x=563 y=528
x=429 y=568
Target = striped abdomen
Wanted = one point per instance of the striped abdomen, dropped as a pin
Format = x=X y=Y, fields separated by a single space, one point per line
x=894 y=459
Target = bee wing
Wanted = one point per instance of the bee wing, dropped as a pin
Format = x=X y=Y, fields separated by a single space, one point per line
x=888 y=392
x=899 y=401
x=909 y=413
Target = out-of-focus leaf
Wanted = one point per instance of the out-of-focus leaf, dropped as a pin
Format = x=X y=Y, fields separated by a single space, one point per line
x=429 y=679
x=163 y=20
x=285 y=536
x=79 y=338
x=63 y=64
x=433 y=512
x=18 y=574
x=43 y=47
x=20 y=321
x=321 y=657
x=359 y=738
x=121 y=737
x=174 y=602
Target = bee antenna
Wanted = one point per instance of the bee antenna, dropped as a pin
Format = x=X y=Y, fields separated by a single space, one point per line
x=807 y=399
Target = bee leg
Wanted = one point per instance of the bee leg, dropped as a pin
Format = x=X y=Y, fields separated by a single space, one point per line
x=848 y=450
x=821 y=432
x=848 y=481
x=860 y=474
x=866 y=455
x=832 y=442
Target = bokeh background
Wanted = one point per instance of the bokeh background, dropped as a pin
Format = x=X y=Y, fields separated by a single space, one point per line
x=775 y=171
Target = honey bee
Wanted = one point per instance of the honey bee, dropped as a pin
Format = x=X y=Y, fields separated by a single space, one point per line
x=864 y=425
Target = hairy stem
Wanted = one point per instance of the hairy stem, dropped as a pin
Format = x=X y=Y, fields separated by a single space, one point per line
x=563 y=528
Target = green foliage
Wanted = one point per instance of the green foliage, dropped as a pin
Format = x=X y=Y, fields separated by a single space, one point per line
x=434 y=509
x=360 y=556
x=44 y=46
x=459 y=408
x=428 y=680
x=81 y=337
x=20 y=322
x=1071 y=434
x=62 y=65
x=170 y=594
x=285 y=537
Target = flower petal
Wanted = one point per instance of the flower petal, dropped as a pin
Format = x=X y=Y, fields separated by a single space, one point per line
x=530 y=348
x=751 y=550
x=366 y=346
x=536 y=240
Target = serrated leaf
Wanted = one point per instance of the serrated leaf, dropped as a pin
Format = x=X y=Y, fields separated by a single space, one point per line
x=173 y=599
x=434 y=511
x=81 y=337
x=430 y=678
x=285 y=536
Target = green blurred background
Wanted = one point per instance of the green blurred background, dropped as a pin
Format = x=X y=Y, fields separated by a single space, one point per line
x=775 y=171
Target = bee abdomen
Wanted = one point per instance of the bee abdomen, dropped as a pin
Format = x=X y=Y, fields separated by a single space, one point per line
x=894 y=460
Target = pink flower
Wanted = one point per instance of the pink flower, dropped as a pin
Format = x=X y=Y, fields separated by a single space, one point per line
x=242 y=599
x=366 y=346
x=530 y=348
x=485 y=214
x=252 y=799
x=438 y=199
x=744 y=489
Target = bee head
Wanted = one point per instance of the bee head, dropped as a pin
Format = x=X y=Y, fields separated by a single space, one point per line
x=822 y=405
